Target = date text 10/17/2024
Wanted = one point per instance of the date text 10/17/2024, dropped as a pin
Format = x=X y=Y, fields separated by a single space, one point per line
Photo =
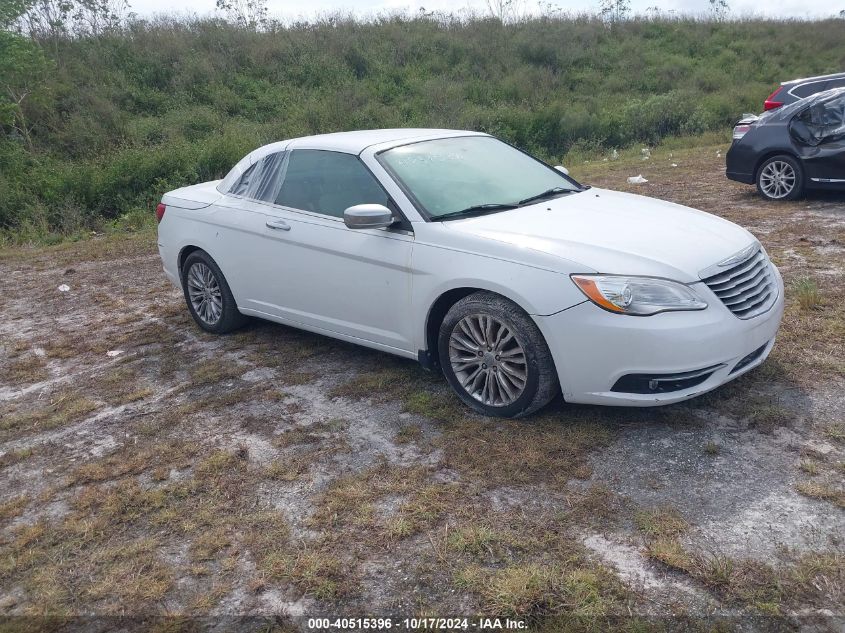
x=443 y=624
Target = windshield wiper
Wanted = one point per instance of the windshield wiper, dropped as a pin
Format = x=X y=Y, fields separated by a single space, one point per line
x=548 y=193
x=478 y=209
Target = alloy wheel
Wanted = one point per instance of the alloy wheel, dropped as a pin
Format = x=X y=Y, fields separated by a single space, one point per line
x=204 y=293
x=777 y=180
x=488 y=360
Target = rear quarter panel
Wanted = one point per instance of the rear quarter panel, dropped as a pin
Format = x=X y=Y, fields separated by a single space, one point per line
x=194 y=218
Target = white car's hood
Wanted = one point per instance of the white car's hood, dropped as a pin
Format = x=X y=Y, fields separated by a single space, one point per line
x=612 y=232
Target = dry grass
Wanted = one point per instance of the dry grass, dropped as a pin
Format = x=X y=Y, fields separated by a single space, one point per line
x=350 y=501
x=408 y=434
x=835 y=431
x=101 y=248
x=670 y=552
x=822 y=491
x=809 y=467
x=528 y=589
x=317 y=572
x=13 y=507
x=135 y=460
x=107 y=551
x=807 y=294
x=389 y=381
x=311 y=434
x=712 y=449
x=806 y=579
x=746 y=399
x=520 y=452
x=60 y=410
x=121 y=385
x=16 y=456
x=660 y=523
x=213 y=370
x=26 y=370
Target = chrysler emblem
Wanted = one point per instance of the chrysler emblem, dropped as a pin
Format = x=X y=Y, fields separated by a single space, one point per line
x=741 y=256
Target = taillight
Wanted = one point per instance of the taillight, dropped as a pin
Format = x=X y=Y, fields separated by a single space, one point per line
x=160 y=209
x=740 y=130
x=770 y=103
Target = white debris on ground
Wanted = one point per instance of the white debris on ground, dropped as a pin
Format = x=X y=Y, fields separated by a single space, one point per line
x=646 y=152
x=614 y=155
x=64 y=288
x=674 y=164
x=637 y=180
x=114 y=352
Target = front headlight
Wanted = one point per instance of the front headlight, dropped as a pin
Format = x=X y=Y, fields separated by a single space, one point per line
x=640 y=296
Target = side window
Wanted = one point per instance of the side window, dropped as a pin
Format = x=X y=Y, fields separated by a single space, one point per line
x=805 y=90
x=328 y=182
x=242 y=184
x=261 y=180
x=266 y=183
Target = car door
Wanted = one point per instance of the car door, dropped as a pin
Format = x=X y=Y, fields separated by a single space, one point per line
x=824 y=152
x=241 y=225
x=309 y=269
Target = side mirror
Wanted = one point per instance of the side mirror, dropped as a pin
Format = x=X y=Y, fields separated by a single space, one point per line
x=562 y=169
x=368 y=216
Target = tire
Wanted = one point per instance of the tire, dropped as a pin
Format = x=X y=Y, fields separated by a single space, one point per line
x=500 y=392
x=780 y=178
x=200 y=272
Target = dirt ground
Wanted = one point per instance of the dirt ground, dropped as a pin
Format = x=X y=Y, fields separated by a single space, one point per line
x=148 y=468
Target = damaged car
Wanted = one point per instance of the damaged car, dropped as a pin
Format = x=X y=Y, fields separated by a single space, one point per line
x=794 y=148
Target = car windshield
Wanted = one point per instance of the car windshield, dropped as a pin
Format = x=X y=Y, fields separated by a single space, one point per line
x=472 y=174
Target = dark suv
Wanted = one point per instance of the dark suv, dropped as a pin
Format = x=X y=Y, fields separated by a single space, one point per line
x=798 y=146
x=791 y=91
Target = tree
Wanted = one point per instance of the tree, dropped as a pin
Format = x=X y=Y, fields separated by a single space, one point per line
x=11 y=11
x=719 y=9
x=99 y=16
x=248 y=14
x=54 y=19
x=23 y=70
x=506 y=10
x=614 y=10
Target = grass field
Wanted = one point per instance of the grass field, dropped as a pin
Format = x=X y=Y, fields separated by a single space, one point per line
x=278 y=472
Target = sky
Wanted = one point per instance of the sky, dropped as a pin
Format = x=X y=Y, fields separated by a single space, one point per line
x=306 y=9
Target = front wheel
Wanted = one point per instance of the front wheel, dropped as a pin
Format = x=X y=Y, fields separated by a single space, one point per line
x=780 y=178
x=495 y=357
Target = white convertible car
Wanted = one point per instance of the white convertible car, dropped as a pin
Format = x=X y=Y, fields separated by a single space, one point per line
x=461 y=251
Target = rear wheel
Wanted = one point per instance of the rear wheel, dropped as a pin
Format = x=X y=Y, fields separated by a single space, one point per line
x=780 y=178
x=208 y=296
x=495 y=357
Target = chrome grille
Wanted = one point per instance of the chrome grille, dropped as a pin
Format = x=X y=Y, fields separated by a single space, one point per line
x=747 y=288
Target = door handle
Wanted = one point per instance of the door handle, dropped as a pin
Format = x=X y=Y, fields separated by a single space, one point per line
x=279 y=225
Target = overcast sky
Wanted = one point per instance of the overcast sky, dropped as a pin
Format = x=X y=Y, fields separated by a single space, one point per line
x=299 y=9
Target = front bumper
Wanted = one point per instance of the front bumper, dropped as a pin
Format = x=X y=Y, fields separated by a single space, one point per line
x=593 y=348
